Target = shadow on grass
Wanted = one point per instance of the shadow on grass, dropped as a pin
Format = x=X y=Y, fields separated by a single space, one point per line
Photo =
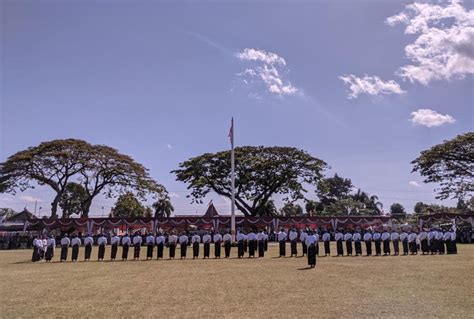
x=306 y=268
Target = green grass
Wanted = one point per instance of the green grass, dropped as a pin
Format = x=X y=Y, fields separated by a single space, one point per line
x=413 y=286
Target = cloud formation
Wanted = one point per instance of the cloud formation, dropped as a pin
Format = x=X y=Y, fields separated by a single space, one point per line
x=430 y=118
x=30 y=199
x=267 y=70
x=371 y=85
x=444 y=48
x=414 y=183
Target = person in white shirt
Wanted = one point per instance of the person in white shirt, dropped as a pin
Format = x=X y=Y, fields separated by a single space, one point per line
x=293 y=237
x=368 y=243
x=227 y=238
x=183 y=243
x=303 y=236
x=172 y=241
x=102 y=242
x=386 y=243
x=439 y=240
x=114 y=243
x=160 y=245
x=311 y=242
x=348 y=240
x=251 y=238
x=281 y=236
x=423 y=237
x=50 y=246
x=195 y=240
x=88 y=242
x=125 y=246
x=404 y=240
x=44 y=244
x=412 y=236
x=36 y=254
x=394 y=236
x=356 y=237
x=137 y=244
x=65 y=242
x=217 y=245
x=454 y=248
x=338 y=237
x=327 y=243
x=261 y=243
x=240 y=244
x=447 y=242
x=206 y=239
x=432 y=244
x=150 y=245
x=376 y=236
x=75 y=243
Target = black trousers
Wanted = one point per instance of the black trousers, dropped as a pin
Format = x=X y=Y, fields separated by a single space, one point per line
x=159 y=250
x=184 y=247
x=386 y=246
x=75 y=252
x=240 y=249
x=195 y=249
x=36 y=255
x=340 y=250
x=312 y=255
x=245 y=245
x=349 y=247
x=207 y=249
x=136 y=251
x=282 y=248
x=396 y=248
x=88 y=252
x=266 y=244
x=261 y=248
x=252 y=248
x=217 y=249
x=149 y=251
x=172 y=249
x=294 y=248
x=49 y=253
x=317 y=248
x=101 y=252
x=227 y=247
x=424 y=246
x=368 y=247
x=327 y=247
x=303 y=246
x=455 y=246
x=413 y=248
x=449 y=250
x=64 y=250
x=125 y=251
x=358 y=247
x=113 y=251
x=405 y=246
x=433 y=246
x=378 y=248
x=441 y=247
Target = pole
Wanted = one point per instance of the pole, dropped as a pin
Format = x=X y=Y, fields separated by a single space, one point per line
x=232 y=179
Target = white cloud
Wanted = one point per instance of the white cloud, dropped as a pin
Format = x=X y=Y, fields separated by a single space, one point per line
x=267 y=71
x=414 y=183
x=371 y=85
x=173 y=195
x=169 y=146
x=444 y=48
x=30 y=199
x=430 y=118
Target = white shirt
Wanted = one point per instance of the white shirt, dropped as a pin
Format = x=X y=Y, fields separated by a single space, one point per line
x=240 y=237
x=51 y=242
x=251 y=236
x=150 y=240
x=317 y=237
x=432 y=234
x=114 y=240
x=440 y=235
x=172 y=239
x=348 y=236
x=227 y=237
x=183 y=239
x=376 y=236
x=303 y=236
x=196 y=239
x=88 y=241
x=65 y=241
x=403 y=236
x=281 y=236
x=356 y=237
x=453 y=236
x=423 y=235
x=293 y=235
x=394 y=236
x=76 y=241
x=385 y=236
x=206 y=238
x=126 y=241
x=160 y=239
x=102 y=241
x=447 y=236
x=338 y=236
x=137 y=240
x=412 y=237
x=310 y=239
x=326 y=237
x=260 y=236
x=217 y=237
x=367 y=236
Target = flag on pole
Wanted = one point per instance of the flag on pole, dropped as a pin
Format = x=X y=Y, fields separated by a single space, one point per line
x=231 y=131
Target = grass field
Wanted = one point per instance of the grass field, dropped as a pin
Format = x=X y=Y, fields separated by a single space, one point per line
x=412 y=286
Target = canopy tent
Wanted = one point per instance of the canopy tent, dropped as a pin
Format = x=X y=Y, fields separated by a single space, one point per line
x=441 y=217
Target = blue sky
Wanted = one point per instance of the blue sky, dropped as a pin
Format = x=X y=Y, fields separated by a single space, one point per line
x=160 y=81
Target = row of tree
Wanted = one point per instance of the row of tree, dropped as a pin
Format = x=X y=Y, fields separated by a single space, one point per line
x=78 y=171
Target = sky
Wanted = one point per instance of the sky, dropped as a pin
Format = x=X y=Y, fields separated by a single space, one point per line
x=363 y=85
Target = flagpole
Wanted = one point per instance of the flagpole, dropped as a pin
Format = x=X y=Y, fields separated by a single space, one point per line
x=232 y=182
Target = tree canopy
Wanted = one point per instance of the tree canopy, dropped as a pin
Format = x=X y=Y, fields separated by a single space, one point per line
x=398 y=211
x=163 y=207
x=451 y=165
x=261 y=172
x=128 y=205
x=71 y=199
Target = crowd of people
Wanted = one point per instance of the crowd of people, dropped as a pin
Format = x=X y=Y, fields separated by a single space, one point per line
x=253 y=243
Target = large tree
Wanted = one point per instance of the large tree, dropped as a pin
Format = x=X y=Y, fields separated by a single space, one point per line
x=163 y=207
x=128 y=205
x=261 y=172
x=398 y=211
x=332 y=189
x=291 y=209
x=451 y=165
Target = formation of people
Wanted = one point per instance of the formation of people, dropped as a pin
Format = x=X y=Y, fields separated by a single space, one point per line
x=252 y=243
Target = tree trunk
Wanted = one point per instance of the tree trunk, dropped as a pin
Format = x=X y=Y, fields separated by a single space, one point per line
x=54 y=205
x=86 y=206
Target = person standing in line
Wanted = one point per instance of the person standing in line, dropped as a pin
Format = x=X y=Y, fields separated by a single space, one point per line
x=282 y=242
x=206 y=239
x=150 y=245
x=75 y=243
x=246 y=242
x=440 y=241
x=196 y=240
x=412 y=237
x=311 y=245
x=348 y=240
x=217 y=245
x=160 y=245
x=44 y=244
x=293 y=237
x=261 y=243
x=454 y=246
x=327 y=243
x=88 y=242
x=423 y=238
x=447 y=242
x=172 y=241
x=368 y=243
x=316 y=235
x=125 y=246
x=338 y=237
x=251 y=237
x=183 y=243
x=266 y=241
x=102 y=242
x=303 y=236
x=137 y=244
x=227 y=238
x=376 y=237
x=50 y=247
x=240 y=244
x=36 y=254
x=432 y=244
x=356 y=237
x=114 y=243
x=394 y=236
x=65 y=242
x=386 y=243
x=404 y=240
